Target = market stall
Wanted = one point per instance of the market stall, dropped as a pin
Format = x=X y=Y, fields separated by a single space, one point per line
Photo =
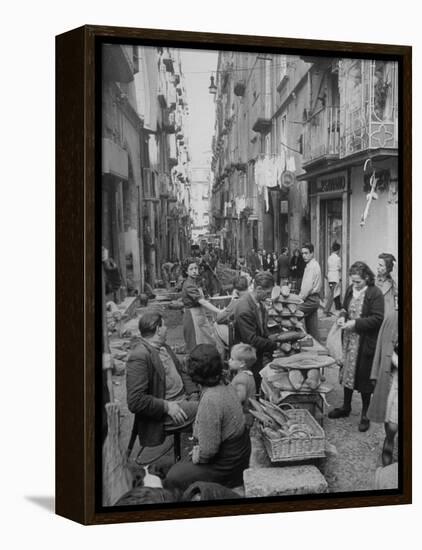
x=295 y=375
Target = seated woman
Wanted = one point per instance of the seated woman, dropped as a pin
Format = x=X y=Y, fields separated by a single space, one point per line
x=222 y=447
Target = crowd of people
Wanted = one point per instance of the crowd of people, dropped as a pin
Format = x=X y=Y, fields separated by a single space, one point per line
x=210 y=395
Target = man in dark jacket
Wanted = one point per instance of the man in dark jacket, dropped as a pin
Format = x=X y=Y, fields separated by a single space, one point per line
x=159 y=393
x=283 y=267
x=250 y=319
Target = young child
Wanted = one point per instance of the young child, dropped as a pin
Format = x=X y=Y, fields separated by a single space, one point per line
x=242 y=358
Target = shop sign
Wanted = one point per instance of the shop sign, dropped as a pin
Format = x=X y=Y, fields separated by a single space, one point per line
x=329 y=185
x=287 y=179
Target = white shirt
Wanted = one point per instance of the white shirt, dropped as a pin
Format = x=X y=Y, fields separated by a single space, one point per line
x=334 y=268
x=312 y=280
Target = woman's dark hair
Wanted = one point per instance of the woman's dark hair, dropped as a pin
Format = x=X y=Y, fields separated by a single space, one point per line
x=149 y=322
x=296 y=251
x=240 y=283
x=364 y=272
x=389 y=260
x=335 y=247
x=186 y=263
x=264 y=279
x=205 y=365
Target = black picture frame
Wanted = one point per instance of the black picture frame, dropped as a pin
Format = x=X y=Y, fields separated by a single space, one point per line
x=78 y=308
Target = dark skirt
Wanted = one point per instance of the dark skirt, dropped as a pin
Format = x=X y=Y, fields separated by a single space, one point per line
x=226 y=468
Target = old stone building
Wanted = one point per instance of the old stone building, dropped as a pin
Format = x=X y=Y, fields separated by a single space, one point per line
x=298 y=143
x=145 y=162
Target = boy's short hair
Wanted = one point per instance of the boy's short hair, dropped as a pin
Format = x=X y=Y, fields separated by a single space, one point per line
x=264 y=279
x=245 y=353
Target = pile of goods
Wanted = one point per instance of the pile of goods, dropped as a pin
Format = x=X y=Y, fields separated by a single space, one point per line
x=276 y=423
x=300 y=372
x=284 y=314
x=288 y=435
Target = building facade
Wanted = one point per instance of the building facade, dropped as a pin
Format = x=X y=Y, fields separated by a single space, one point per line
x=351 y=146
x=300 y=145
x=145 y=162
x=200 y=197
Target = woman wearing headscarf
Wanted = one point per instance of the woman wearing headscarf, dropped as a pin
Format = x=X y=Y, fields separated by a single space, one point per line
x=360 y=319
x=222 y=445
x=385 y=281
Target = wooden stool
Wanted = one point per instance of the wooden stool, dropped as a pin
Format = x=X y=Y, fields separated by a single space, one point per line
x=176 y=432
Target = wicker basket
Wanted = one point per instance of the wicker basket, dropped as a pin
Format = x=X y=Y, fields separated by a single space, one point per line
x=291 y=448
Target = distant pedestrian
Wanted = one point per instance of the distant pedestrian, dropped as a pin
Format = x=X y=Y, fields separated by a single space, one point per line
x=268 y=263
x=283 y=267
x=297 y=267
x=310 y=290
x=333 y=277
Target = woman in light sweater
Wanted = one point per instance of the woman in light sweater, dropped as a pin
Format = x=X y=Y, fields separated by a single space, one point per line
x=222 y=445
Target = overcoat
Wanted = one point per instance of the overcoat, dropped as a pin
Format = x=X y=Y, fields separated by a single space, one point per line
x=367 y=326
x=381 y=367
x=146 y=390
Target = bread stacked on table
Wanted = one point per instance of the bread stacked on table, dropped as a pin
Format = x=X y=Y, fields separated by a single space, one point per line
x=285 y=316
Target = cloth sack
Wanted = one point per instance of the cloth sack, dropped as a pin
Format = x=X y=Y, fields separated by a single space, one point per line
x=334 y=344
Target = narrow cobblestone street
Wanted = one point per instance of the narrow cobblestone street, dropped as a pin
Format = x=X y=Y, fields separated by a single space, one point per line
x=357 y=454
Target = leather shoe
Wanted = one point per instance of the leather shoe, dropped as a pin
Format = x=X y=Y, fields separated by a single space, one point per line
x=340 y=412
x=364 y=424
x=387 y=453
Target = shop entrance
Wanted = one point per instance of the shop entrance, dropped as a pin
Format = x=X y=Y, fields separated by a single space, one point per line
x=331 y=230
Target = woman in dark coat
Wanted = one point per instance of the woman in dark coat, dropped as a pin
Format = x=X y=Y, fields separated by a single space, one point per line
x=361 y=319
x=384 y=375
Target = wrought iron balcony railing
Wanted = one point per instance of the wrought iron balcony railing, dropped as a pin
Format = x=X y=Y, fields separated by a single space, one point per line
x=321 y=136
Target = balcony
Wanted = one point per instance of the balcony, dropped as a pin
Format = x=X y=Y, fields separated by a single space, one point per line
x=321 y=136
x=261 y=112
x=118 y=63
x=369 y=91
x=169 y=121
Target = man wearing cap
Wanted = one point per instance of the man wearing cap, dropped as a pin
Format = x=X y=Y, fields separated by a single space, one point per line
x=310 y=290
x=159 y=393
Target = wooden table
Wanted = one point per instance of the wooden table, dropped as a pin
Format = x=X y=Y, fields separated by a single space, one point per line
x=312 y=400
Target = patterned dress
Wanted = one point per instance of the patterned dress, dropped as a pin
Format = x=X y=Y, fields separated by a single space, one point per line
x=351 y=343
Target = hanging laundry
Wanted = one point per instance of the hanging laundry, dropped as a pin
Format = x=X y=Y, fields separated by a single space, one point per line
x=266 y=199
x=291 y=164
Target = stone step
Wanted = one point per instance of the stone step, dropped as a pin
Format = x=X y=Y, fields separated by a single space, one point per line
x=284 y=480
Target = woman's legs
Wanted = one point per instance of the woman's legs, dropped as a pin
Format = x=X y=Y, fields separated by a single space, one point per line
x=364 y=421
x=343 y=411
x=387 y=451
